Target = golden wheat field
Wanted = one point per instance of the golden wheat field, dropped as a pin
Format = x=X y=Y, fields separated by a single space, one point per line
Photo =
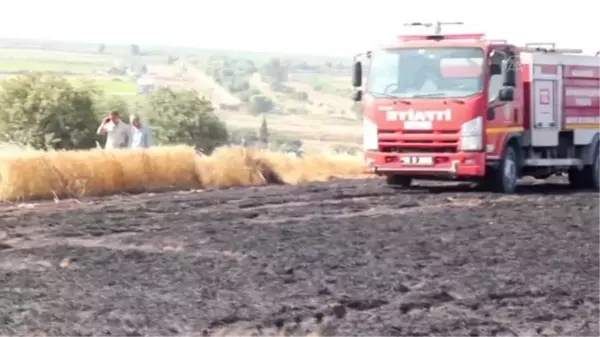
x=29 y=174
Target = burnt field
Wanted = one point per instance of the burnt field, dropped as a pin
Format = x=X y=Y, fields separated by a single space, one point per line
x=341 y=258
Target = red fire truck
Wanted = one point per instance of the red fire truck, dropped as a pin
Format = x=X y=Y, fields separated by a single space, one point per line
x=462 y=107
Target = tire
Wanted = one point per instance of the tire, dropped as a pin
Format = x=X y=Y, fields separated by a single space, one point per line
x=503 y=179
x=589 y=177
x=576 y=180
x=396 y=180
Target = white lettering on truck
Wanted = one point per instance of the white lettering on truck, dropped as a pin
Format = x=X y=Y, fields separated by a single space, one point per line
x=582 y=73
x=412 y=115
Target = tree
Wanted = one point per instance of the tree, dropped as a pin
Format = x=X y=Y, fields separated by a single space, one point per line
x=47 y=112
x=276 y=70
x=260 y=104
x=135 y=49
x=101 y=48
x=106 y=104
x=172 y=59
x=263 y=132
x=250 y=67
x=183 y=117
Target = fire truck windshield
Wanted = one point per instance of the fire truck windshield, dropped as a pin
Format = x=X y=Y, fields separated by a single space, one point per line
x=426 y=72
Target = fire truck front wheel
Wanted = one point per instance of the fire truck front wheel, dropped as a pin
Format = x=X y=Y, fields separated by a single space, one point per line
x=396 y=180
x=504 y=177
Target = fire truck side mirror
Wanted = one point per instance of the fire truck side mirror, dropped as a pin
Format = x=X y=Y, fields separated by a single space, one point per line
x=510 y=74
x=506 y=94
x=495 y=69
x=357 y=96
x=357 y=74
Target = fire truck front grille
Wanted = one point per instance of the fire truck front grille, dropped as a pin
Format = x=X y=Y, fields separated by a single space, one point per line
x=418 y=141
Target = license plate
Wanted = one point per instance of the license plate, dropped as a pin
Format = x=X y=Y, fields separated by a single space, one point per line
x=417 y=160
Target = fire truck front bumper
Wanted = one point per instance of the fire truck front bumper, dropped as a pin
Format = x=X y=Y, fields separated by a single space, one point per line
x=461 y=164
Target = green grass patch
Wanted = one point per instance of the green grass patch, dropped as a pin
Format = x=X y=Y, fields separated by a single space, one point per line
x=49 y=60
x=336 y=85
x=10 y=66
x=110 y=87
x=53 y=55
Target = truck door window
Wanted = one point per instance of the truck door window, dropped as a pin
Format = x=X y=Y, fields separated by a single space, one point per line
x=498 y=58
x=383 y=71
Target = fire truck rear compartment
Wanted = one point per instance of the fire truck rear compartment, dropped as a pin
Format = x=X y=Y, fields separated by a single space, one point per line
x=562 y=129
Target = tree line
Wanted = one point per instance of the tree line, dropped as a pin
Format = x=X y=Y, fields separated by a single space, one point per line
x=46 y=112
x=49 y=112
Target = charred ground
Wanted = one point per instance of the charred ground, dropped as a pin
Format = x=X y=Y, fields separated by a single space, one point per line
x=432 y=261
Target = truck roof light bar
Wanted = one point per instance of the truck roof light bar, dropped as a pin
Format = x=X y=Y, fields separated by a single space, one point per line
x=476 y=36
x=546 y=50
x=437 y=25
x=437 y=32
x=548 y=45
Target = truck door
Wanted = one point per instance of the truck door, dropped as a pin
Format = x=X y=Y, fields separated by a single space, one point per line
x=502 y=117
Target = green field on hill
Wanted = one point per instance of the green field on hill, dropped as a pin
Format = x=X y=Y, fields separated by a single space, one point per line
x=49 y=66
x=109 y=86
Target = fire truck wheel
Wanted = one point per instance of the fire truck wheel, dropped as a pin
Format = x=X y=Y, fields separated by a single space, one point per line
x=589 y=177
x=595 y=171
x=396 y=180
x=576 y=178
x=504 y=178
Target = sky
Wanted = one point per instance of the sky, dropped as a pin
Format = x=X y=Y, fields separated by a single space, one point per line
x=340 y=28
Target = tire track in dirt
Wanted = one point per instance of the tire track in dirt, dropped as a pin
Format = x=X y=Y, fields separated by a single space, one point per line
x=429 y=261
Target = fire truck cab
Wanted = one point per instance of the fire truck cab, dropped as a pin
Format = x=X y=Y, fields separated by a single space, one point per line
x=461 y=107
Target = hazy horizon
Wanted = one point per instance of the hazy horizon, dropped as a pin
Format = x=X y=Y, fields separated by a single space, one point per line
x=310 y=27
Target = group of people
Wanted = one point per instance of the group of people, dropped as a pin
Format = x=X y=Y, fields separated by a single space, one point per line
x=122 y=135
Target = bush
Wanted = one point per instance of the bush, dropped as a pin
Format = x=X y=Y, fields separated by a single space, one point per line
x=260 y=104
x=183 y=117
x=300 y=95
x=105 y=104
x=246 y=137
x=47 y=112
x=238 y=86
x=280 y=87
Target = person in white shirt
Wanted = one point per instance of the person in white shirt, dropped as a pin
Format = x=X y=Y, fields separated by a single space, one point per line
x=116 y=131
x=141 y=136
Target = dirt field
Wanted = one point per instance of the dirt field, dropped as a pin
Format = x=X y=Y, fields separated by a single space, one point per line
x=430 y=261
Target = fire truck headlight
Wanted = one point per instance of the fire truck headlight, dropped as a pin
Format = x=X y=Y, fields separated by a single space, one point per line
x=470 y=143
x=369 y=135
x=471 y=135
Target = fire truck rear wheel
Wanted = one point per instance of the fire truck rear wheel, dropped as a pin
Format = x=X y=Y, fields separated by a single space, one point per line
x=503 y=179
x=576 y=178
x=396 y=180
x=589 y=177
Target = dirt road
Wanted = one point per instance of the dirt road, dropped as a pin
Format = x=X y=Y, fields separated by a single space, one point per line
x=431 y=261
x=206 y=82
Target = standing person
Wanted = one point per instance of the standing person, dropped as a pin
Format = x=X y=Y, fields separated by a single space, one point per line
x=116 y=131
x=141 y=136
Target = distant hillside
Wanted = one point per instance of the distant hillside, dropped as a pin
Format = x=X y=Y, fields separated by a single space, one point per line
x=119 y=49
